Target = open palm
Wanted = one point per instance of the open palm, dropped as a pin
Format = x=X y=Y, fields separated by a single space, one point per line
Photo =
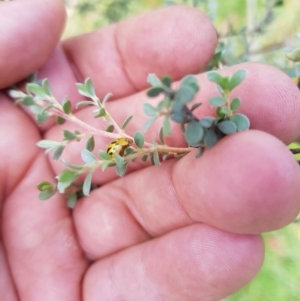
x=188 y=230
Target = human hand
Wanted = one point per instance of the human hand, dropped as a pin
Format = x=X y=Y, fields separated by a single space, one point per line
x=188 y=230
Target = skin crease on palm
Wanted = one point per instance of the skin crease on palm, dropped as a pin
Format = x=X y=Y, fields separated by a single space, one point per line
x=188 y=230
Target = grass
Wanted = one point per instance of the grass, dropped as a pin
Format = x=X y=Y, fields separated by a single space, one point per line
x=279 y=278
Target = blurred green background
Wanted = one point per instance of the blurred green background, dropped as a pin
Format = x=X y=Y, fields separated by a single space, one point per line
x=250 y=30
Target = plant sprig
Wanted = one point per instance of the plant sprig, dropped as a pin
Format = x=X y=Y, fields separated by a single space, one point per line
x=176 y=106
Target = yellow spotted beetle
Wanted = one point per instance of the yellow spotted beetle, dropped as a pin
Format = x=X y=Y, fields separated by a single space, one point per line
x=118 y=146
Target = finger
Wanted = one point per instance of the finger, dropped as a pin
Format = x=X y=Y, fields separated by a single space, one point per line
x=7 y=288
x=117 y=68
x=248 y=183
x=269 y=98
x=18 y=138
x=25 y=48
x=40 y=242
x=193 y=263
x=176 y=40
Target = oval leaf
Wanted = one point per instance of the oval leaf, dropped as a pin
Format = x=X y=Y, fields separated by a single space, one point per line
x=90 y=144
x=86 y=188
x=149 y=110
x=67 y=176
x=126 y=122
x=236 y=79
x=72 y=199
x=210 y=138
x=139 y=139
x=227 y=127
x=214 y=77
x=242 y=122
x=67 y=106
x=194 y=133
x=217 y=101
x=153 y=92
x=46 y=194
x=58 y=152
x=167 y=126
x=235 y=104
x=88 y=157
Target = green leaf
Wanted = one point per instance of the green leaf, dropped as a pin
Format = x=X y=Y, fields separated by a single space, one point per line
x=153 y=80
x=144 y=158
x=194 y=133
x=84 y=103
x=236 y=79
x=148 y=123
x=153 y=92
x=69 y=135
x=89 y=87
x=59 y=120
x=219 y=112
x=164 y=104
x=149 y=110
x=207 y=122
x=41 y=117
x=72 y=200
x=139 y=139
x=86 y=188
x=72 y=166
x=178 y=117
x=129 y=151
x=210 y=138
x=45 y=185
x=161 y=136
x=46 y=194
x=32 y=78
x=37 y=90
x=46 y=87
x=156 y=158
x=225 y=111
x=67 y=107
x=167 y=126
x=242 y=122
x=48 y=144
x=58 y=152
x=82 y=90
x=61 y=187
x=90 y=144
x=28 y=101
x=110 y=128
x=166 y=80
x=217 y=101
x=184 y=95
x=88 y=157
x=105 y=164
x=195 y=106
x=100 y=113
x=165 y=156
x=120 y=165
x=225 y=83
x=227 y=127
x=47 y=108
x=214 y=77
x=105 y=99
x=235 y=104
x=104 y=155
x=190 y=81
x=67 y=176
x=127 y=120
x=16 y=94
x=200 y=152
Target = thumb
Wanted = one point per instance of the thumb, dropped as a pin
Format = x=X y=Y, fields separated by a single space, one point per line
x=30 y=30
